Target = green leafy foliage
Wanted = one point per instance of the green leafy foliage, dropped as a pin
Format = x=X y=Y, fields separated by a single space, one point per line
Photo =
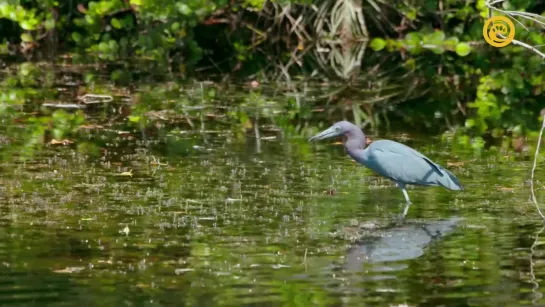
x=485 y=92
x=495 y=92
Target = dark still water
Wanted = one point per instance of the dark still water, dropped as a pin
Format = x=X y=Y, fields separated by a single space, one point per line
x=151 y=208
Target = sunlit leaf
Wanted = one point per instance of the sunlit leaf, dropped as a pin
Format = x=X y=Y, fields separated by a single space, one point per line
x=411 y=15
x=437 y=38
x=49 y=24
x=26 y=37
x=378 y=44
x=116 y=23
x=451 y=43
x=26 y=25
x=463 y=49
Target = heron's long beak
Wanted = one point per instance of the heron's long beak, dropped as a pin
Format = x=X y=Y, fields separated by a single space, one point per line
x=328 y=133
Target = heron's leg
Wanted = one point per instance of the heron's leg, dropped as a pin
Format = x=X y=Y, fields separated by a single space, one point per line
x=406 y=195
x=408 y=201
x=407 y=205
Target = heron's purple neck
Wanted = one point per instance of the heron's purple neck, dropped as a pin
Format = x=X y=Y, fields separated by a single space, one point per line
x=355 y=144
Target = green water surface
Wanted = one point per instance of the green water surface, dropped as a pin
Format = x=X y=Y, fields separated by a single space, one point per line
x=168 y=212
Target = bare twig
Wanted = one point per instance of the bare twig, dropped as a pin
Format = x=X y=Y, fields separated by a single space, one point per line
x=530 y=16
x=305 y=259
x=95 y=98
x=535 y=288
x=524 y=45
x=494 y=2
x=533 y=17
x=519 y=43
x=256 y=131
x=534 y=169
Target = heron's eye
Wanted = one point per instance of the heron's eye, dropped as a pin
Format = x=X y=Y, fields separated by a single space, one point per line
x=338 y=128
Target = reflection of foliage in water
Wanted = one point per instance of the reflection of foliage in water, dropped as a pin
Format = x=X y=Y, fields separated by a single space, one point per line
x=48 y=103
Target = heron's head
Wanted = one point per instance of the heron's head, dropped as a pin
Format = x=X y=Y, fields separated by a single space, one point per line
x=338 y=129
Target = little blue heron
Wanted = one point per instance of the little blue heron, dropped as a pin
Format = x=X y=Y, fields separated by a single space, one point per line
x=393 y=160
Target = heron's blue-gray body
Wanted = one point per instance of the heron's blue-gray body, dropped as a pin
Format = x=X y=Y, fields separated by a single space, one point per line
x=404 y=165
x=392 y=160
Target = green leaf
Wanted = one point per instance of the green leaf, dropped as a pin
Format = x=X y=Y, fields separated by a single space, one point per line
x=134 y=119
x=77 y=37
x=26 y=68
x=4 y=48
x=536 y=80
x=377 y=44
x=463 y=49
x=127 y=22
x=411 y=15
x=451 y=43
x=392 y=45
x=438 y=49
x=437 y=38
x=413 y=39
x=26 y=37
x=26 y=25
x=112 y=44
x=103 y=47
x=90 y=20
x=57 y=133
x=50 y=24
x=116 y=23
x=116 y=74
x=175 y=26
x=537 y=38
x=410 y=63
x=184 y=9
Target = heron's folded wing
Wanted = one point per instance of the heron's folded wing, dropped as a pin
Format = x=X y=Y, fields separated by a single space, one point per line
x=404 y=167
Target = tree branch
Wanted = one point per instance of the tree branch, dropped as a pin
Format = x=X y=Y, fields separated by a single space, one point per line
x=532 y=48
x=533 y=17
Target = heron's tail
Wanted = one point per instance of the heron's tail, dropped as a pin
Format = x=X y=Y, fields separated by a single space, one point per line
x=449 y=181
x=444 y=177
